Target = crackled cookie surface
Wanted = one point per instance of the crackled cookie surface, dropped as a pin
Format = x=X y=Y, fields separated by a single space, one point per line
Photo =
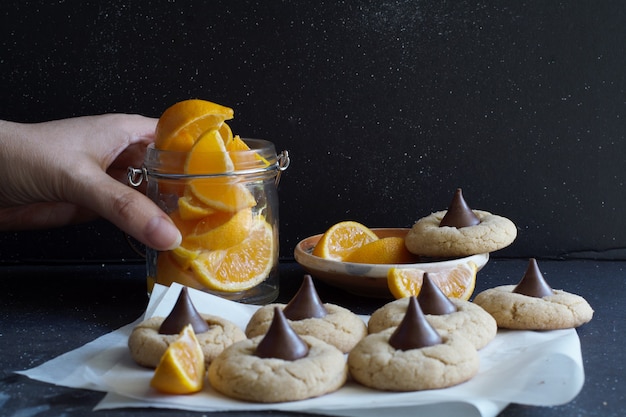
x=375 y=363
x=562 y=310
x=340 y=327
x=470 y=321
x=147 y=345
x=427 y=238
x=239 y=373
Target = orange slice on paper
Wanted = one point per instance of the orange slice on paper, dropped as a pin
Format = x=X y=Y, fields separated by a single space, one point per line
x=342 y=238
x=456 y=282
x=181 y=369
x=241 y=266
x=182 y=123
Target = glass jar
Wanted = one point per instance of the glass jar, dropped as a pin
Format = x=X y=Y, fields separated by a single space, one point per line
x=228 y=218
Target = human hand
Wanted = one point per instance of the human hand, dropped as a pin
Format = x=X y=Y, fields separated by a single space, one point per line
x=72 y=170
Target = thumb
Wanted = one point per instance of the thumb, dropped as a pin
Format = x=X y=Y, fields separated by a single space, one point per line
x=132 y=212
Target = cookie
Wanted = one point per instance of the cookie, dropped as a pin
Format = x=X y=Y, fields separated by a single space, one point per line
x=239 y=373
x=427 y=238
x=340 y=327
x=561 y=310
x=470 y=321
x=412 y=356
x=147 y=345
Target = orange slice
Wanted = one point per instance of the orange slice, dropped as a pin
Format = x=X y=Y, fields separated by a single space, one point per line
x=181 y=369
x=221 y=230
x=243 y=157
x=388 y=250
x=208 y=156
x=342 y=238
x=169 y=269
x=220 y=196
x=227 y=134
x=190 y=208
x=457 y=282
x=182 y=123
x=239 y=267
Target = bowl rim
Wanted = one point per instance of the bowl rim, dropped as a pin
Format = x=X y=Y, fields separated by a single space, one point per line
x=304 y=257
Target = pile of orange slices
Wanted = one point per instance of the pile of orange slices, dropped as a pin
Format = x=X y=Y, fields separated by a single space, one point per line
x=350 y=241
x=226 y=246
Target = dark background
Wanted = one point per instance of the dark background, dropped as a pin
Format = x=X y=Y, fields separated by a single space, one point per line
x=385 y=106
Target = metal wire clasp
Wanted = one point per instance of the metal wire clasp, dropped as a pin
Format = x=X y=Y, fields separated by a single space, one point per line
x=283 y=164
x=136 y=176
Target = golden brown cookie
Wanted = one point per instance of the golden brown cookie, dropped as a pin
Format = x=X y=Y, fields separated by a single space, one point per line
x=375 y=363
x=427 y=238
x=562 y=310
x=240 y=374
x=340 y=327
x=147 y=345
x=470 y=321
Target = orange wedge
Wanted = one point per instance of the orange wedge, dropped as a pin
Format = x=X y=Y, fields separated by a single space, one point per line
x=388 y=250
x=221 y=230
x=170 y=268
x=181 y=369
x=456 y=282
x=243 y=157
x=342 y=238
x=182 y=123
x=227 y=134
x=241 y=266
x=208 y=156
x=190 y=208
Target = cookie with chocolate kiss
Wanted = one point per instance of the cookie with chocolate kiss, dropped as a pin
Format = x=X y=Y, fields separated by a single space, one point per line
x=532 y=304
x=278 y=366
x=150 y=338
x=446 y=315
x=459 y=231
x=308 y=315
x=412 y=356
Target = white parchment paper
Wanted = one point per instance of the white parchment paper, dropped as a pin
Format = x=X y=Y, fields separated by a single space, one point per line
x=526 y=367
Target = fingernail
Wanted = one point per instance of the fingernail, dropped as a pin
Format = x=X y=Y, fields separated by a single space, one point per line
x=162 y=234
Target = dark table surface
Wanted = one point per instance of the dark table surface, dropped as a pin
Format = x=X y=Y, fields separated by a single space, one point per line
x=47 y=310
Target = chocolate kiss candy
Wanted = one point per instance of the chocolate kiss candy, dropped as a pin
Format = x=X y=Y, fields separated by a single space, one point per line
x=414 y=331
x=432 y=300
x=459 y=214
x=532 y=283
x=306 y=304
x=182 y=314
x=281 y=341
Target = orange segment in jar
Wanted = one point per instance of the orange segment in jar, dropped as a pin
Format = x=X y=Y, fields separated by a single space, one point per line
x=239 y=267
x=182 y=123
x=221 y=230
x=227 y=134
x=342 y=238
x=191 y=208
x=169 y=270
x=208 y=156
x=220 y=196
x=243 y=157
